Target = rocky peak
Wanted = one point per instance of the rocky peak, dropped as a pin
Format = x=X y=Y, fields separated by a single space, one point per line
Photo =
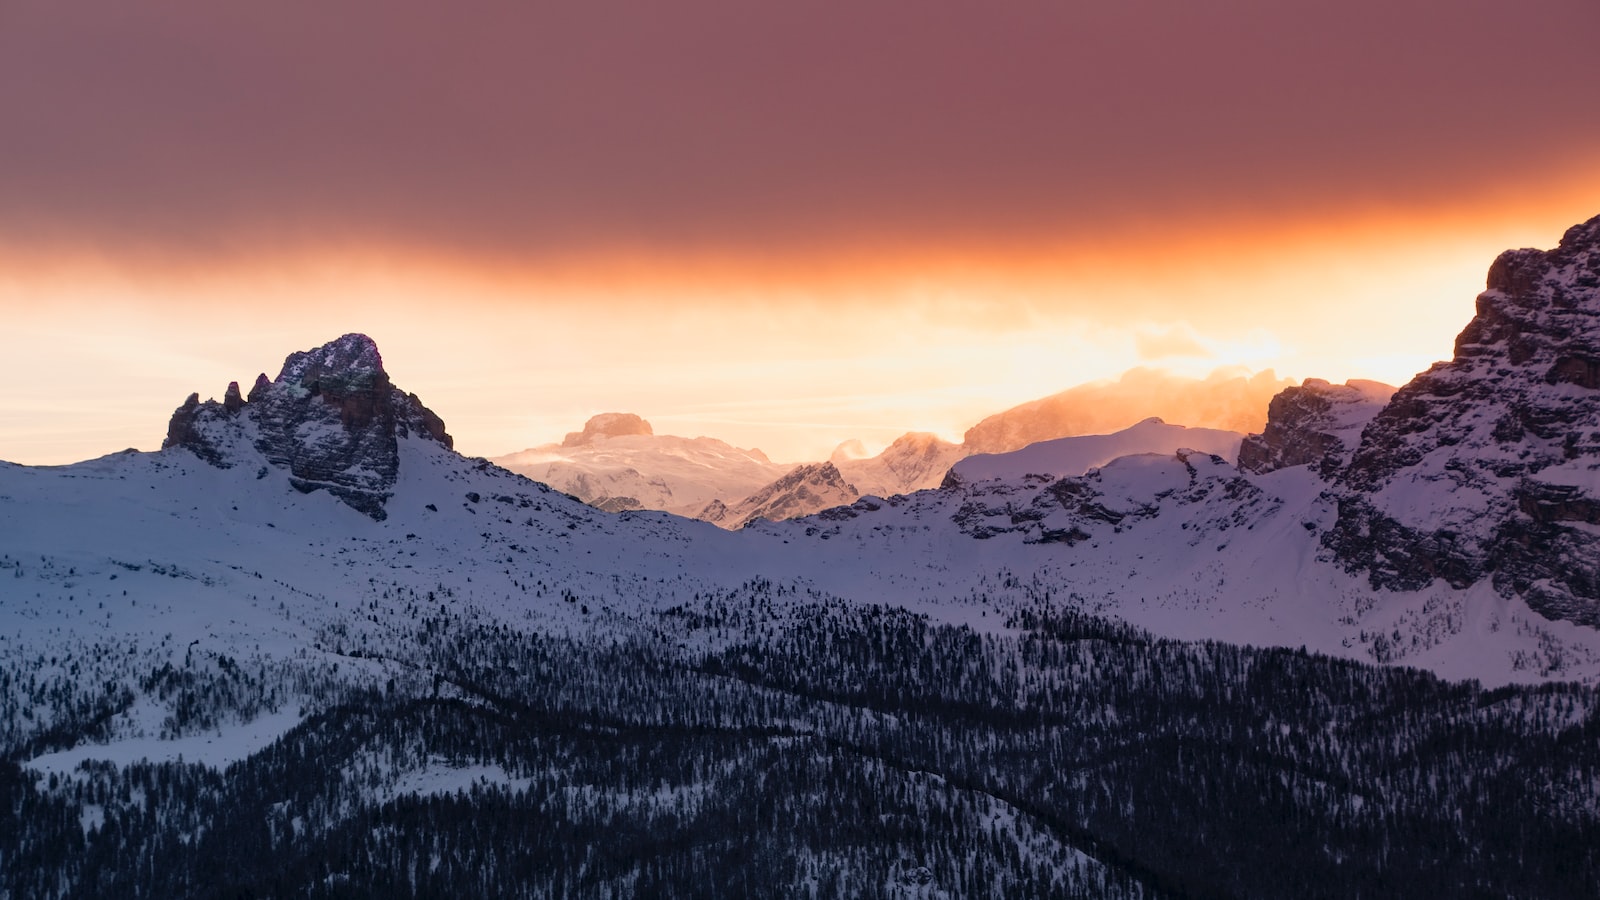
x=713 y=512
x=187 y=425
x=916 y=443
x=823 y=473
x=804 y=490
x=915 y=451
x=352 y=359
x=607 y=425
x=1317 y=424
x=1489 y=465
x=331 y=418
x=915 y=461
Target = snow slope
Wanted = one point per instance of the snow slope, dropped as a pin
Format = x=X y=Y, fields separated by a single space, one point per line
x=1077 y=455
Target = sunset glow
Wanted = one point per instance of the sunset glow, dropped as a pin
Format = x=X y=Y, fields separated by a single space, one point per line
x=792 y=356
x=891 y=251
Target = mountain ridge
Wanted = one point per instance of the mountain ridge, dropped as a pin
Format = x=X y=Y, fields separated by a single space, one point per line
x=647 y=472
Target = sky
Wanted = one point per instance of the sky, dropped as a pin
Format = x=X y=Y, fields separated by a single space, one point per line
x=784 y=225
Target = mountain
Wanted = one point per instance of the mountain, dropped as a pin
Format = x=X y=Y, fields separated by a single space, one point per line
x=618 y=462
x=1487 y=467
x=331 y=419
x=308 y=649
x=1223 y=401
x=607 y=425
x=1316 y=424
x=1071 y=456
x=804 y=490
x=915 y=461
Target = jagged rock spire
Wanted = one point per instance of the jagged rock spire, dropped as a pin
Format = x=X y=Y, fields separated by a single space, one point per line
x=331 y=418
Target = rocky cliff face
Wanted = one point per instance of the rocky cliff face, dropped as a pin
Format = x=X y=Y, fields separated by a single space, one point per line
x=331 y=418
x=1316 y=424
x=1489 y=465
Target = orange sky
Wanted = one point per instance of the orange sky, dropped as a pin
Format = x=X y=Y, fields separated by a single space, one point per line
x=777 y=225
x=779 y=354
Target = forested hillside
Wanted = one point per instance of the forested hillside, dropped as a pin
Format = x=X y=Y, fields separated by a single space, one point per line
x=753 y=743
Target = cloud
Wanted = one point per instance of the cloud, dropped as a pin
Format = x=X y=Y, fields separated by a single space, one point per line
x=1154 y=344
x=542 y=130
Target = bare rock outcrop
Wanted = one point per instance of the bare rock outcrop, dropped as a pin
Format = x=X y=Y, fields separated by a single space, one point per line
x=332 y=419
x=1317 y=424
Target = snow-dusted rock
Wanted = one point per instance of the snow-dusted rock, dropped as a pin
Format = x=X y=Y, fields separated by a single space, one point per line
x=1316 y=424
x=331 y=418
x=805 y=490
x=1488 y=466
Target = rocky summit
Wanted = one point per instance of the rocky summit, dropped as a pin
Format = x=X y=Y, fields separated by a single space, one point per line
x=804 y=490
x=915 y=461
x=1317 y=424
x=1488 y=466
x=331 y=418
x=606 y=425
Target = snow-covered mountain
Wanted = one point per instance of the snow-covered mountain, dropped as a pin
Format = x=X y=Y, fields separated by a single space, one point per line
x=618 y=462
x=281 y=528
x=1071 y=456
x=803 y=491
x=915 y=461
x=922 y=461
x=1487 y=467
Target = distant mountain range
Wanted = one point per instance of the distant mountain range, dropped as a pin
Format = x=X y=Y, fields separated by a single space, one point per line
x=617 y=462
x=308 y=649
